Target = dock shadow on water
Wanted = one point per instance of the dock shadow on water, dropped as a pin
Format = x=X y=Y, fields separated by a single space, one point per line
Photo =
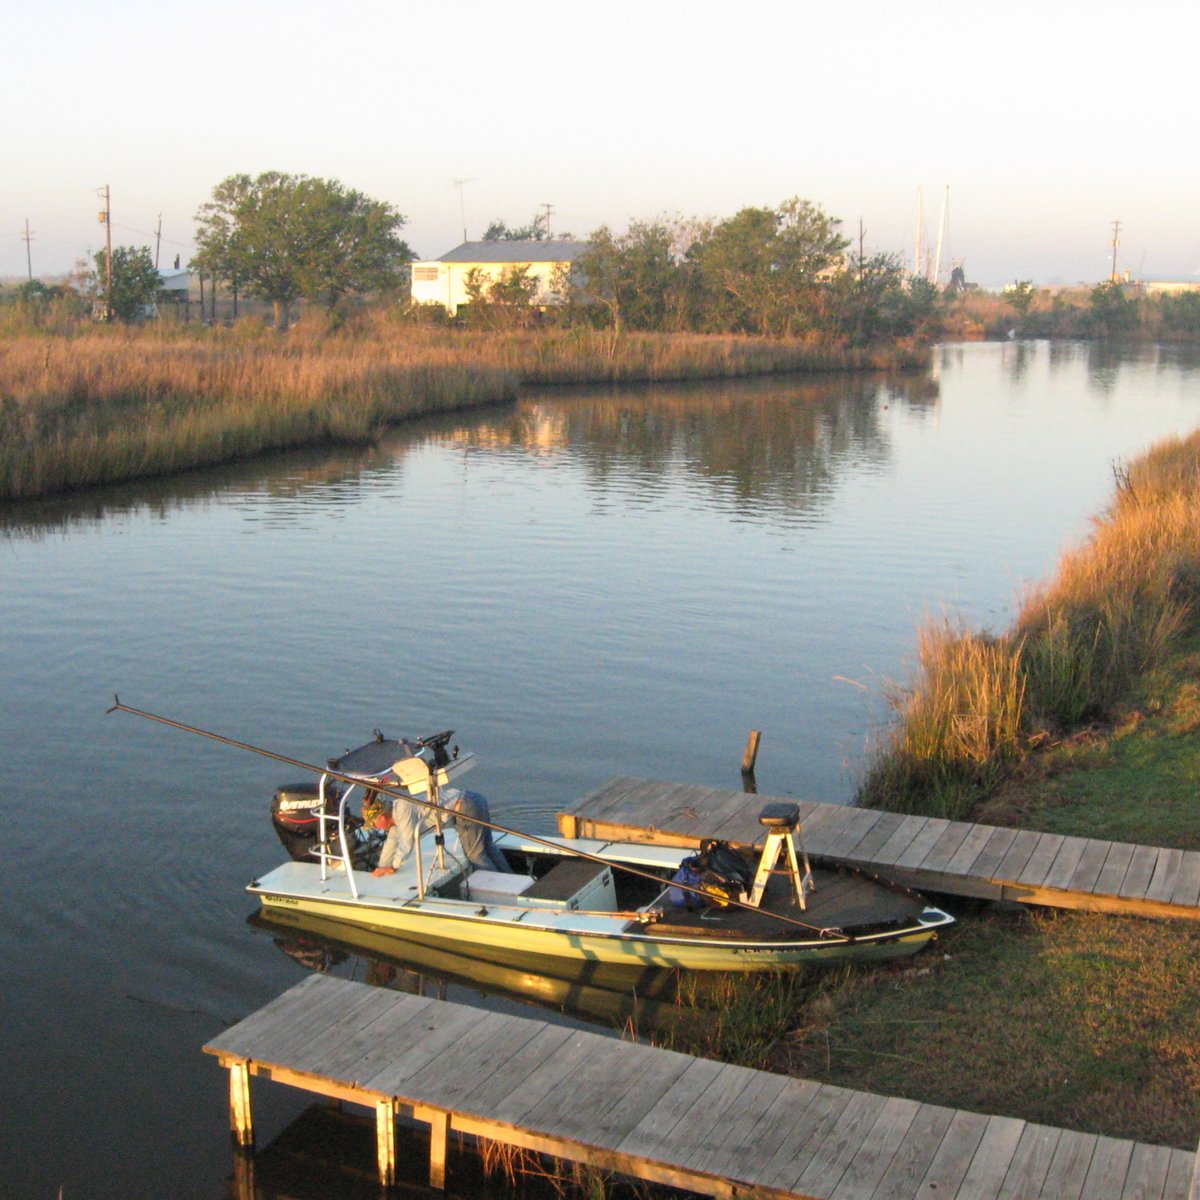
x=329 y=1151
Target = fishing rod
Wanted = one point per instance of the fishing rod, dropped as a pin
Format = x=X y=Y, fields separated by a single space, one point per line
x=400 y=794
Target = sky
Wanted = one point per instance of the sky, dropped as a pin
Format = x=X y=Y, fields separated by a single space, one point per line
x=1034 y=126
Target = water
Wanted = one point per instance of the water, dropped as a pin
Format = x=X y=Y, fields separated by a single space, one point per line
x=584 y=584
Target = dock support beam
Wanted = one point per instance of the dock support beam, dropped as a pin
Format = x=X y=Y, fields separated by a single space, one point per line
x=439 y=1128
x=385 y=1141
x=241 y=1115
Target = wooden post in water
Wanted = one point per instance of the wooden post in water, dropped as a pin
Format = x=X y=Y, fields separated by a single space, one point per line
x=385 y=1141
x=749 y=758
x=439 y=1128
x=241 y=1115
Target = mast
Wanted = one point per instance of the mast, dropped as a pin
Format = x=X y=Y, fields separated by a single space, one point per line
x=917 y=247
x=937 y=260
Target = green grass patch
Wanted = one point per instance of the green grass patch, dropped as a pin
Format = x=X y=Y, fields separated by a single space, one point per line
x=1077 y=1020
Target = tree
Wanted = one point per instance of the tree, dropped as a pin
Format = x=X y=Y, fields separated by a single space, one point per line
x=283 y=237
x=1019 y=295
x=766 y=270
x=1112 y=313
x=538 y=230
x=503 y=302
x=134 y=281
x=498 y=231
x=631 y=277
x=875 y=301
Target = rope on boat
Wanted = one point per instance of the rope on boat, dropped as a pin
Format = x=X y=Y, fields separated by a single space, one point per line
x=400 y=794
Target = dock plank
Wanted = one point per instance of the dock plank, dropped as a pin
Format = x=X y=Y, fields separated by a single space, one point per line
x=994 y=852
x=1069 y=1166
x=954 y=1155
x=1109 y=1168
x=1149 y=1170
x=878 y=1149
x=912 y=1158
x=1116 y=864
x=798 y=1141
x=879 y=835
x=1034 y=872
x=1030 y=1163
x=1166 y=873
x=1141 y=870
x=915 y=852
x=989 y=1167
x=1019 y=853
x=855 y=830
x=1065 y=863
x=830 y=1160
x=1187 y=881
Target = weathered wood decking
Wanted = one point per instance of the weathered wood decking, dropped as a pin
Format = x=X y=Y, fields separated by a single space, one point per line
x=925 y=852
x=657 y=1115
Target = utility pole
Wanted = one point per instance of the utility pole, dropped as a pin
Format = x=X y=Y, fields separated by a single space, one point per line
x=1116 y=241
x=28 y=258
x=549 y=209
x=157 y=240
x=106 y=221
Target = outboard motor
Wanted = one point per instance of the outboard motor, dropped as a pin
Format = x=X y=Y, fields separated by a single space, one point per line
x=296 y=816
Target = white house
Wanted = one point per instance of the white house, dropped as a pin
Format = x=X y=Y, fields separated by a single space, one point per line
x=444 y=280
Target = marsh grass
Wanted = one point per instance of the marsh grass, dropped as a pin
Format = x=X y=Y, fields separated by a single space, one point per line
x=1117 y=607
x=104 y=405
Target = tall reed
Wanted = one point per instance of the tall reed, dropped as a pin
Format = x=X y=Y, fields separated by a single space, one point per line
x=1116 y=608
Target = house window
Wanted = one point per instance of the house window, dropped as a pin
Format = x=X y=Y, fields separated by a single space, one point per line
x=425 y=274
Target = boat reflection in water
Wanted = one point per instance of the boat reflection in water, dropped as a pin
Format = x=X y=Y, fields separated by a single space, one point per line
x=643 y=1000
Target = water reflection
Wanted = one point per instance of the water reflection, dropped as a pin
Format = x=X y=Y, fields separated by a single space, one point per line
x=779 y=442
x=643 y=1000
x=273 y=477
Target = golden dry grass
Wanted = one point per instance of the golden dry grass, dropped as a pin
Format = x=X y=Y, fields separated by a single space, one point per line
x=109 y=404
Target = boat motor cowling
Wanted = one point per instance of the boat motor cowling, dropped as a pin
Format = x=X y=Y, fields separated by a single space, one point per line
x=296 y=815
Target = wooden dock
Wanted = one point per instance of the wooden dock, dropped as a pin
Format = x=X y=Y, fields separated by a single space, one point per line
x=927 y=853
x=657 y=1115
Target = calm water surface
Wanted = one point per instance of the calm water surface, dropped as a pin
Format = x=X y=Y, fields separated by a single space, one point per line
x=584 y=584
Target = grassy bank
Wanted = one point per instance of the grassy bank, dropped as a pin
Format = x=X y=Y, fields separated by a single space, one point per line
x=104 y=405
x=1085 y=1021
x=1083 y=719
x=1117 y=609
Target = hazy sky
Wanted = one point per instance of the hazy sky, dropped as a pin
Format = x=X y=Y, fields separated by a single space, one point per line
x=1047 y=121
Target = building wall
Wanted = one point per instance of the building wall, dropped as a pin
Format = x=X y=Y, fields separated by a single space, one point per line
x=446 y=283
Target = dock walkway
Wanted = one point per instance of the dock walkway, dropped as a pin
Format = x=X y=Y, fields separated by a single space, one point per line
x=930 y=853
x=658 y=1115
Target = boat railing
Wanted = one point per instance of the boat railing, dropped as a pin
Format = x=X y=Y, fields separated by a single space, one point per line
x=322 y=847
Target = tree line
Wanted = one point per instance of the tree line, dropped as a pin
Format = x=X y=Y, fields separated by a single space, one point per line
x=778 y=272
x=786 y=272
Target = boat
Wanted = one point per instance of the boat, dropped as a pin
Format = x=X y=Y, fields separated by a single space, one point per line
x=712 y=907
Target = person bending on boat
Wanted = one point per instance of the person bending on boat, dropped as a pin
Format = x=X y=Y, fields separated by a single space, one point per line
x=475 y=839
x=402 y=825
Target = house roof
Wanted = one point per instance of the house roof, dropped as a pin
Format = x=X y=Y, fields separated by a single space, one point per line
x=515 y=251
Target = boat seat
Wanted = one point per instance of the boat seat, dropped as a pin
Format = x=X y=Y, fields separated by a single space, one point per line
x=780 y=815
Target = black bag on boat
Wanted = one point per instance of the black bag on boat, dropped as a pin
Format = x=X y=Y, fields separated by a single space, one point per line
x=725 y=874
